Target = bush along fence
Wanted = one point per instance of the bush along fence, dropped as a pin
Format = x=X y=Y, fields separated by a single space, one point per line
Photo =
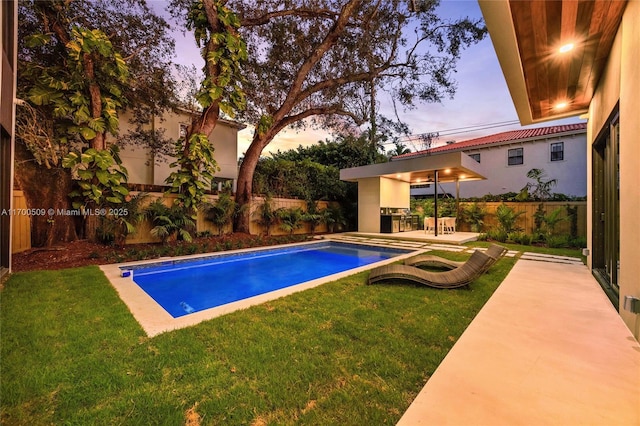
x=150 y=218
x=555 y=223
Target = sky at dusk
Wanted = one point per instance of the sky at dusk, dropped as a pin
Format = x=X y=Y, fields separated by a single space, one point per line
x=481 y=98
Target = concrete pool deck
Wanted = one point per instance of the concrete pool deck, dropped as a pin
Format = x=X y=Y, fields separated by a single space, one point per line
x=548 y=348
x=154 y=319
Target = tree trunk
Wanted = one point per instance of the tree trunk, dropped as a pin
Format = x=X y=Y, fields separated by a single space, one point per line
x=245 y=185
x=45 y=189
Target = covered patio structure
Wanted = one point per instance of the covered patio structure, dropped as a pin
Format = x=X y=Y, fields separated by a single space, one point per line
x=384 y=188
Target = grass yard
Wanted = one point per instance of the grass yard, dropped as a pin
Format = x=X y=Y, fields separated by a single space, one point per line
x=343 y=353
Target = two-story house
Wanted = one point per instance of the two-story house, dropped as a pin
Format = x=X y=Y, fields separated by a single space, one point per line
x=148 y=169
x=561 y=151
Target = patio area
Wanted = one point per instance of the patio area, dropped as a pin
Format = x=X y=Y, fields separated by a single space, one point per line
x=419 y=235
x=559 y=354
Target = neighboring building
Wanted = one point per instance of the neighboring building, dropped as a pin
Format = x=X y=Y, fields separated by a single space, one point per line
x=561 y=151
x=572 y=58
x=9 y=18
x=146 y=169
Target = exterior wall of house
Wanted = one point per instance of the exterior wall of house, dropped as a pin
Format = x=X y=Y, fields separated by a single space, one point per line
x=9 y=18
x=621 y=83
x=571 y=172
x=144 y=169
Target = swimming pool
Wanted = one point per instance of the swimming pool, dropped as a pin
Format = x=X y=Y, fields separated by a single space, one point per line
x=188 y=286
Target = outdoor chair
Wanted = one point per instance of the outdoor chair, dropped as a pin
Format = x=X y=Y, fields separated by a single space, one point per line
x=429 y=224
x=428 y=260
x=459 y=277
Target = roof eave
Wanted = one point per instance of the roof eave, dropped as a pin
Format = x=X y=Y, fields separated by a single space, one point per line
x=499 y=22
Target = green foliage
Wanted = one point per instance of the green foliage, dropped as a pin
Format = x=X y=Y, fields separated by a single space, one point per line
x=224 y=50
x=221 y=212
x=314 y=216
x=499 y=235
x=507 y=218
x=65 y=87
x=122 y=220
x=334 y=217
x=290 y=219
x=572 y=215
x=100 y=177
x=552 y=219
x=556 y=241
x=538 y=190
x=303 y=179
x=169 y=221
x=474 y=215
x=342 y=152
x=266 y=215
x=196 y=169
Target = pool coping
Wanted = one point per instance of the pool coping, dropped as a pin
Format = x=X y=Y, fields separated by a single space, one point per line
x=154 y=319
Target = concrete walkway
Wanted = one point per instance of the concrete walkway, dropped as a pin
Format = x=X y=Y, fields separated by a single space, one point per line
x=548 y=348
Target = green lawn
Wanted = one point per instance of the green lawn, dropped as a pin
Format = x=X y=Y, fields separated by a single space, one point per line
x=342 y=353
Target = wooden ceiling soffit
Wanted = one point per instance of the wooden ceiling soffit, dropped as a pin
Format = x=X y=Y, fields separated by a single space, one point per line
x=541 y=28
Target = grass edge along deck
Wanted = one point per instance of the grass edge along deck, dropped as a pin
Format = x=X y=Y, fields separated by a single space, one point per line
x=154 y=319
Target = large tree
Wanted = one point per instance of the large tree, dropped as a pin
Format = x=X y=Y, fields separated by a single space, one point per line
x=80 y=63
x=314 y=61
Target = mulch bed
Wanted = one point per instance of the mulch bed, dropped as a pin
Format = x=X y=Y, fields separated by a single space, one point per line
x=83 y=252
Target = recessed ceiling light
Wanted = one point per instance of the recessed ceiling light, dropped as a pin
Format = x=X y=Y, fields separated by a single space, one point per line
x=447 y=171
x=462 y=176
x=566 y=47
x=560 y=105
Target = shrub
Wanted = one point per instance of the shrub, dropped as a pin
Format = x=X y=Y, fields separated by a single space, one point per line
x=557 y=241
x=507 y=218
x=497 y=235
x=169 y=221
x=474 y=215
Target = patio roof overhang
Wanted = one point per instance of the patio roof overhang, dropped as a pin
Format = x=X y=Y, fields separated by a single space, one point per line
x=451 y=167
x=552 y=53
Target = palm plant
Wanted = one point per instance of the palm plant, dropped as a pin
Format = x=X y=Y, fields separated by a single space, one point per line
x=290 y=219
x=123 y=219
x=313 y=216
x=169 y=221
x=334 y=217
x=552 y=219
x=266 y=215
x=507 y=218
x=474 y=215
x=220 y=213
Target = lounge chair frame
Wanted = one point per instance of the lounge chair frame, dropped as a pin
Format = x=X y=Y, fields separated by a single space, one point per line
x=459 y=277
x=428 y=260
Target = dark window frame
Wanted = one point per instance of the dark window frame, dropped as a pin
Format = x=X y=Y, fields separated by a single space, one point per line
x=558 y=154
x=477 y=154
x=517 y=159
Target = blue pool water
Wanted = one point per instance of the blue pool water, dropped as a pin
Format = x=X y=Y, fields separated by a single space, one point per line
x=186 y=286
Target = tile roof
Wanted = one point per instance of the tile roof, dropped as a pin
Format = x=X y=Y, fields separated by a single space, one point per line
x=498 y=138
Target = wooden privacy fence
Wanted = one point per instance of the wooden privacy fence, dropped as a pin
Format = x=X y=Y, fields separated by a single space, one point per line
x=526 y=221
x=21 y=225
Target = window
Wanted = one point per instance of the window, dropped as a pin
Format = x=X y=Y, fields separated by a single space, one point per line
x=557 y=151
x=475 y=157
x=516 y=156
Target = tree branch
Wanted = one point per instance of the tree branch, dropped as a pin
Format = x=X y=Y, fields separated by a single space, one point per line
x=330 y=39
x=298 y=12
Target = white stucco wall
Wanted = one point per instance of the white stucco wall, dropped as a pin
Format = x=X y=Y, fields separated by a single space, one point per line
x=571 y=173
x=369 y=205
